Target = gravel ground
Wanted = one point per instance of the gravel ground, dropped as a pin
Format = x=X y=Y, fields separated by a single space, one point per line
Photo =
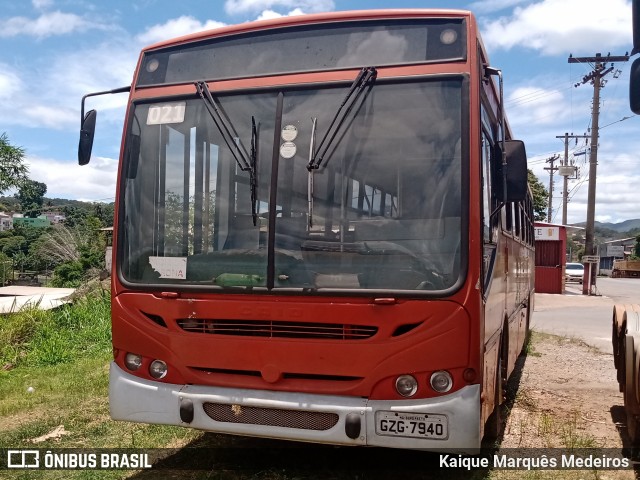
x=567 y=397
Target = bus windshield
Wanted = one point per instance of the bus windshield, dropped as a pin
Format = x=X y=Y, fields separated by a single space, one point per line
x=383 y=212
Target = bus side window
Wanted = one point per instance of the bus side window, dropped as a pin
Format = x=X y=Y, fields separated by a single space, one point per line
x=486 y=189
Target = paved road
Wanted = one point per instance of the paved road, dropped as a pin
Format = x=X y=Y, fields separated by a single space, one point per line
x=585 y=317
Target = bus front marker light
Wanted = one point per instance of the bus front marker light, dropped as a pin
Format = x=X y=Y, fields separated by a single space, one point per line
x=441 y=381
x=133 y=361
x=158 y=369
x=153 y=65
x=448 y=36
x=406 y=385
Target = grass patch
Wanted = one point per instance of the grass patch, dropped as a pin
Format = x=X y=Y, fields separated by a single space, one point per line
x=37 y=338
x=529 y=344
x=56 y=372
x=560 y=340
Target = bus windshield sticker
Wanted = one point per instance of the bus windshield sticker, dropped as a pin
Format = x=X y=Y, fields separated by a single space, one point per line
x=166 y=113
x=288 y=150
x=289 y=133
x=170 y=267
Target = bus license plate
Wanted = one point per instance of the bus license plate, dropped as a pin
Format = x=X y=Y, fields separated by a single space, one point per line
x=415 y=425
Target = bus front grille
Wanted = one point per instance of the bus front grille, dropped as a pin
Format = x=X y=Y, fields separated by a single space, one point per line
x=272 y=417
x=278 y=329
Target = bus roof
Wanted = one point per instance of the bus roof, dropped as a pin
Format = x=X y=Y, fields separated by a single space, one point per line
x=307 y=19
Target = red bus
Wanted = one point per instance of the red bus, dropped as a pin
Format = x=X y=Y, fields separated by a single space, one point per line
x=323 y=233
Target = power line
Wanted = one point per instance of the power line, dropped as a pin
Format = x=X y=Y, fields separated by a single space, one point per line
x=618 y=121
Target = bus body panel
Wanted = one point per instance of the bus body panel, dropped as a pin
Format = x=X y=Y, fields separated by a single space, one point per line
x=437 y=337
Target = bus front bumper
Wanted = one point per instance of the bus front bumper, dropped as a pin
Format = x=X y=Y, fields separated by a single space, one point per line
x=337 y=420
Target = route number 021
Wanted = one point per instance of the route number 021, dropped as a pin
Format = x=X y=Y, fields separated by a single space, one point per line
x=166 y=113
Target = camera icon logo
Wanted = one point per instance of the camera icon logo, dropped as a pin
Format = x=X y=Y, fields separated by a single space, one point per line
x=23 y=459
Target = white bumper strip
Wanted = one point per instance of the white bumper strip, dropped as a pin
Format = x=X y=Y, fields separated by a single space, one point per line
x=138 y=400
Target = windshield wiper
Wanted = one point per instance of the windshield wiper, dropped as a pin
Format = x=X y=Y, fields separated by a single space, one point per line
x=253 y=164
x=365 y=78
x=225 y=127
x=231 y=138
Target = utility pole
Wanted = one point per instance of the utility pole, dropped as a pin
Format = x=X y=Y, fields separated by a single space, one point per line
x=596 y=76
x=551 y=169
x=566 y=172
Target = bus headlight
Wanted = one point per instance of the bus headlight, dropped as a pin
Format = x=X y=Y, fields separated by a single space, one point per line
x=441 y=381
x=406 y=385
x=158 y=369
x=133 y=361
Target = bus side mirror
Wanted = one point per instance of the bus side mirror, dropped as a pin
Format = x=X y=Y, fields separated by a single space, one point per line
x=516 y=172
x=87 y=131
x=634 y=87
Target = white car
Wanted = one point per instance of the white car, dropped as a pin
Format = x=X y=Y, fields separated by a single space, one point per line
x=574 y=272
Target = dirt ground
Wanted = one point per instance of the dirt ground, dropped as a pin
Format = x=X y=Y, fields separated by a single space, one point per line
x=567 y=397
x=572 y=381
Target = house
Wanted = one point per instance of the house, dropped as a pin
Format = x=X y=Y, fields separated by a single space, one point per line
x=54 y=217
x=614 y=250
x=6 y=222
x=38 y=222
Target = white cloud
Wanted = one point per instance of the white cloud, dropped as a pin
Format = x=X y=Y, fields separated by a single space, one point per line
x=93 y=182
x=71 y=75
x=50 y=116
x=41 y=4
x=562 y=26
x=616 y=198
x=10 y=82
x=46 y=25
x=488 y=6
x=540 y=106
x=176 y=27
x=34 y=108
x=269 y=14
x=68 y=78
x=236 y=7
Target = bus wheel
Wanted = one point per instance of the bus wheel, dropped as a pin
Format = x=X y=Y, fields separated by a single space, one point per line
x=631 y=405
x=633 y=429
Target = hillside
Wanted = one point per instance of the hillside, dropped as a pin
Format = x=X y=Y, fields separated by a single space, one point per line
x=621 y=227
x=13 y=204
x=609 y=231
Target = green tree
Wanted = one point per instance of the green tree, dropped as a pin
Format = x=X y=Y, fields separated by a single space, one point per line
x=6 y=269
x=31 y=197
x=75 y=253
x=540 y=197
x=13 y=245
x=636 y=248
x=74 y=216
x=104 y=212
x=13 y=171
x=68 y=274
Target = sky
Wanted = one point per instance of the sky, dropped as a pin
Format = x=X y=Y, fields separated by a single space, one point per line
x=52 y=52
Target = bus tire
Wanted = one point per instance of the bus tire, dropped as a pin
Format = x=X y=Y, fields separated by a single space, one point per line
x=618 y=333
x=633 y=429
x=631 y=406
